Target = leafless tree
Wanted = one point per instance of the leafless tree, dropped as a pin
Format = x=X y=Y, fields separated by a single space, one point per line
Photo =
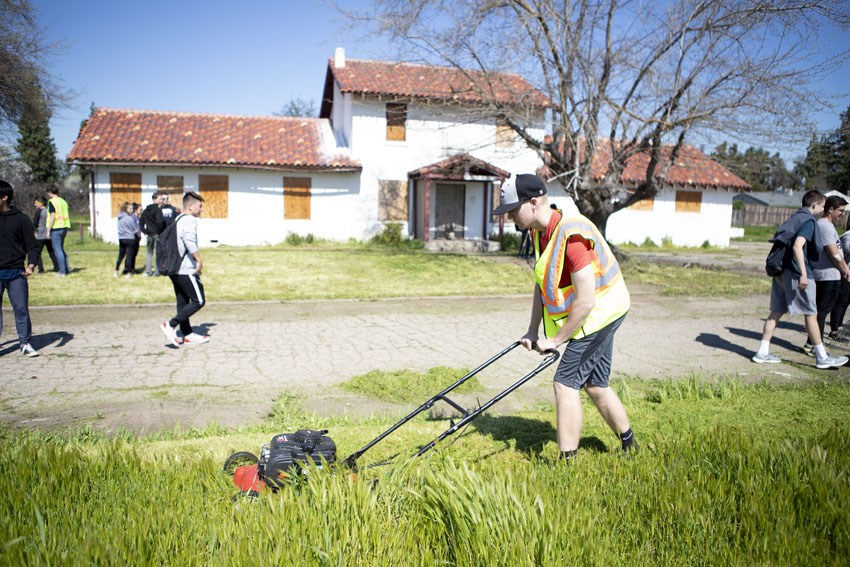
x=629 y=76
x=25 y=81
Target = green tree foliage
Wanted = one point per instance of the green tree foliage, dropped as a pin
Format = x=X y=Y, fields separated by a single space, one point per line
x=756 y=166
x=36 y=147
x=826 y=166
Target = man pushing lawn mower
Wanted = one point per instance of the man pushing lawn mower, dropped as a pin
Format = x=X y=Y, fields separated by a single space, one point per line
x=581 y=298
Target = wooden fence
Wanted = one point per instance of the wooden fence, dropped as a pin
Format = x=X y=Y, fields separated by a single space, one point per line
x=760 y=215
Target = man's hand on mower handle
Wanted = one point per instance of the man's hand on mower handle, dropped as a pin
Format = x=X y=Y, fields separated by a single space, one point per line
x=544 y=346
x=529 y=341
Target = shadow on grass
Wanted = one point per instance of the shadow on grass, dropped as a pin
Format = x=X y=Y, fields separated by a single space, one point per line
x=529 y=435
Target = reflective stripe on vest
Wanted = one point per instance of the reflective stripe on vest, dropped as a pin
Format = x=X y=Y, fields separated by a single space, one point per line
x=612 y=297
x=60 y=213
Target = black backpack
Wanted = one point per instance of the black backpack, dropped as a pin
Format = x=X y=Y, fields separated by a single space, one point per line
x=775 y=261
x=168 y=257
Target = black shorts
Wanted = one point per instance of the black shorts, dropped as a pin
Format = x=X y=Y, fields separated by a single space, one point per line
x=588 y=360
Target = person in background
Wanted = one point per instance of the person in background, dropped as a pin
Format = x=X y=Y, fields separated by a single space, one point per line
x=137 y=213
x=58 y=224
x=169 y=213
x=153 y=223
x=126 y=240
x=39 y=221
x=18 y=249
x=188 y=289
x=839 y=335
x=793 y=290
x=830 y=269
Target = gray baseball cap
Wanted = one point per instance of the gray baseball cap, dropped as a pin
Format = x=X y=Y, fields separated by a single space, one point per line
x=518 y=189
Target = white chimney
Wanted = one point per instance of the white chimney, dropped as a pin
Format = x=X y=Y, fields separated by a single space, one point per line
x=339 y=58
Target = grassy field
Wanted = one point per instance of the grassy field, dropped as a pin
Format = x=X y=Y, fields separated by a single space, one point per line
x=726 y=474
x=326 y=270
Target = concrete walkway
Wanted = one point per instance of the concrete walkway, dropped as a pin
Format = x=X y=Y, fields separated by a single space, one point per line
x=109 y=366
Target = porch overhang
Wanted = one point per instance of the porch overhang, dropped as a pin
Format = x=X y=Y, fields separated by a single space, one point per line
x=459 y=167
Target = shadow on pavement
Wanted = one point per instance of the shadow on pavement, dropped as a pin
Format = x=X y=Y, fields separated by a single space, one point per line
x=716 y=341
x=755 y=337
x=203 y=328
x=61 y=338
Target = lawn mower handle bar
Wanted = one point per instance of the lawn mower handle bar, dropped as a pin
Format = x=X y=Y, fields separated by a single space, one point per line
x=351 y=460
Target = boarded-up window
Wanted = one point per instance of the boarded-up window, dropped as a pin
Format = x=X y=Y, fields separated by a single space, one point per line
x=688 y=201
x=124 y=187
x=643 y=205
x=171 y=185
x=296 y=198
x=215 y=190
x=504 y=136
x=392 y=200
x=396 y=122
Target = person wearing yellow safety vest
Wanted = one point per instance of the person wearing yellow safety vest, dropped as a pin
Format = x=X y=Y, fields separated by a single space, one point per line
x=581 y=299
x=58 y=223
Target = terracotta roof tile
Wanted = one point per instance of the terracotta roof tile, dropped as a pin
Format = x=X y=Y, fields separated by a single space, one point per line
x=432 y=82
x=144 y=136
x=692 y=167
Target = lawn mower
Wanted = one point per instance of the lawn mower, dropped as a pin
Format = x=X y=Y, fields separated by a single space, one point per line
x=290 y=455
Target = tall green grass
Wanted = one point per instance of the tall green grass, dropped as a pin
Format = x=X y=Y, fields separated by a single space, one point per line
x=725 y=475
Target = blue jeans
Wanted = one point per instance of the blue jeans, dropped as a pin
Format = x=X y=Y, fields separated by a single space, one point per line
x=19 y=297
x=57 y=239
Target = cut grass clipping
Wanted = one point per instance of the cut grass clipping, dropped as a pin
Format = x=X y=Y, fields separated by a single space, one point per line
x=407 y=386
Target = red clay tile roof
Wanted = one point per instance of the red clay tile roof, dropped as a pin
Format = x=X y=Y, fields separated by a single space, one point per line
x=144 y=136
x=457 y=166
x=431 y=82
x=691 y=168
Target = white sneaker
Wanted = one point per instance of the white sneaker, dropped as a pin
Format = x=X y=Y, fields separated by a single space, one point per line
x=768 y=358
x=832 y=361
x=170 y=333
x=195 y=339
x=27 y=350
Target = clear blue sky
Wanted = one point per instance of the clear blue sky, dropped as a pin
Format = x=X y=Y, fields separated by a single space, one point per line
x=244 y=57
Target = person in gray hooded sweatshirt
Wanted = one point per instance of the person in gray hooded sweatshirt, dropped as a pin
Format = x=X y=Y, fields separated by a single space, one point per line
x=127 y=242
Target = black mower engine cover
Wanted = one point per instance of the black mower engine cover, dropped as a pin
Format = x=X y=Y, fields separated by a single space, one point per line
x=289 y=453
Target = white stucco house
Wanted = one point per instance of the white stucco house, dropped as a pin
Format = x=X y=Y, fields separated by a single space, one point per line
x=694 y=205
x=393 y=142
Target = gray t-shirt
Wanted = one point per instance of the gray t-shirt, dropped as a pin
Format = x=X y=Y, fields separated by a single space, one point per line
x=824 y=269
x=187 y=242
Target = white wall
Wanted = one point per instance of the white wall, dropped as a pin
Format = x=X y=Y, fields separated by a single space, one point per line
x=431 y=136
x=255 y=205
x=713 y=223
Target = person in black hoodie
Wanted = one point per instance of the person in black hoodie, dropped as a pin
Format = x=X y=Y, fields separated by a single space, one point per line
x=18 y=257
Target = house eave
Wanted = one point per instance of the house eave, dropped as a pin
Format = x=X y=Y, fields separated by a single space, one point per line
x=262 y=167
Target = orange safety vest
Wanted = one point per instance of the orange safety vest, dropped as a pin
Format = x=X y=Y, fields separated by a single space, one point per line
x=612 y=296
